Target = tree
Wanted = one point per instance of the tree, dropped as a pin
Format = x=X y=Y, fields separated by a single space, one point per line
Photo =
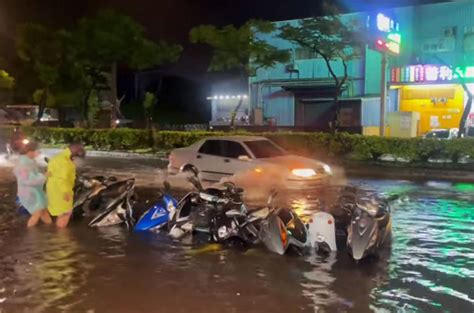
x=467 y=108
x=239 y=48
x=6 y=81
x=148 y=105
x=470 y=96
x=44 y=52
x=110 y=39
x=38 y=96
x=94 y=109
x=331 y=39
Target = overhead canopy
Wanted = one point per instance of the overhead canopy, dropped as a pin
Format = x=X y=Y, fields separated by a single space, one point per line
x=316 y=87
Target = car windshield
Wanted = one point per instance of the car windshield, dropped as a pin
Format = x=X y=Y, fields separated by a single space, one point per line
x=438 y=134
x=262 y=149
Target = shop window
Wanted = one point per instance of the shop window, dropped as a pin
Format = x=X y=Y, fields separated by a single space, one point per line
x=469 y=42
x=305 y=54
x=424 y=93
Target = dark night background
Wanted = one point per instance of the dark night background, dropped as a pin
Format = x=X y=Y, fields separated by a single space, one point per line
x=169 y=20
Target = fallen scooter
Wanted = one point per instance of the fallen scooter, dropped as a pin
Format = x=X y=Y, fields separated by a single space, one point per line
x=361 y=224
x=161 y=214
x=104 y=201
x=370 y=228
x=283 y=231
x=216 y=214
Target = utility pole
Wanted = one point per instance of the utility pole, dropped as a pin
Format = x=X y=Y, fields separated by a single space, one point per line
x=383 y=93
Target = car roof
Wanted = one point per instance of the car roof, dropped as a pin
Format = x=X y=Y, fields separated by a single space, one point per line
x=441 y=130
x=237 y=138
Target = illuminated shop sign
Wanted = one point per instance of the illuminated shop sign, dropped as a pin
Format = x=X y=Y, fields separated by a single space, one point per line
x=429 y=73
x=386 y=33
x=386 y=24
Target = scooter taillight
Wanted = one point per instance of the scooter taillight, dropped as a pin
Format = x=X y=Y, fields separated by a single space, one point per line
x=283 y=234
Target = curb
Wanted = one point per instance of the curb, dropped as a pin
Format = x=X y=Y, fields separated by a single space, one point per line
x=111 y=154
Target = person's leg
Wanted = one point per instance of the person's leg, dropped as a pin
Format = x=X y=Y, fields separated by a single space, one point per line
x=45 y=217
x=34 y=219
x=63 y=220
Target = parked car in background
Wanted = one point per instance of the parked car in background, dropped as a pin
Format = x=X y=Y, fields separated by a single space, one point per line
x=469 y=132
x=220 y=157
x=7 y=117
x=445 y=134
x=27 y=114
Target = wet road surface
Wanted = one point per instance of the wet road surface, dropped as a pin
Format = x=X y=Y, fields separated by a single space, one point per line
x=430 y=266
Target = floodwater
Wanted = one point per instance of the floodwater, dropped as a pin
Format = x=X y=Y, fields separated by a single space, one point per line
x=430 y=266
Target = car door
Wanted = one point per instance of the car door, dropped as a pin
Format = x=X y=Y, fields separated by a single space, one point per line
x=232 y=150
x=210 y=161
x=220 y=158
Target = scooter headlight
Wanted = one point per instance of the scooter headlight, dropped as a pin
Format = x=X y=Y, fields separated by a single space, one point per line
x=170 y=207
x=320 y=238
x=364 y=221
x=222 y=232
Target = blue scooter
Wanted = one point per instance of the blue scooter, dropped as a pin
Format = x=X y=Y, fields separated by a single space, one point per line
x=20 y=209
x=160 y=214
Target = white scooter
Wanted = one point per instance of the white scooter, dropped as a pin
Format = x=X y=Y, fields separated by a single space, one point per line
x=322 y=232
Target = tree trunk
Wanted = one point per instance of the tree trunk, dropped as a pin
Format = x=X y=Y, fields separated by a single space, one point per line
x=234 y=114
x=241 y=100
x=113 y=95
x=61 y=117
x=42 y=104
x=85 y=107
x=467 y=110
x=335 y=122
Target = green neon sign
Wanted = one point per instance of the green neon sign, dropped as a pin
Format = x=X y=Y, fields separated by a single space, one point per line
x=464 y=72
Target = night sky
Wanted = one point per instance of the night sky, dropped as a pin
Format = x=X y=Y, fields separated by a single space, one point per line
x=168 y=19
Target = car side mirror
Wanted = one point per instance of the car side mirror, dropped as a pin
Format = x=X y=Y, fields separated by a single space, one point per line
x=244 y=158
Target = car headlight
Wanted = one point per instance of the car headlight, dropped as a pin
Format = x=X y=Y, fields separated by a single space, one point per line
x=303 y=172
x=327 y=169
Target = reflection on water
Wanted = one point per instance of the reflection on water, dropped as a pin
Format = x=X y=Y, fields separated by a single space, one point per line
x=430 y=267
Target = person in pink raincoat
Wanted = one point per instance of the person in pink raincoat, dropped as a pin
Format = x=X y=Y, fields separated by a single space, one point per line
x=31 y=185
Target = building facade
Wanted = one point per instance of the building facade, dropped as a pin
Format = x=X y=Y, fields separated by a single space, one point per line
x=437 y=48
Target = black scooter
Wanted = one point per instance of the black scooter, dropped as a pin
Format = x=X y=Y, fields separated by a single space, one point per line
x=370 y=227
x=104 y=201
x=217 y=214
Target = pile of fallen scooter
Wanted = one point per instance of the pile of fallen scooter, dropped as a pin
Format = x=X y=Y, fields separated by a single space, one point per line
x=360 y=224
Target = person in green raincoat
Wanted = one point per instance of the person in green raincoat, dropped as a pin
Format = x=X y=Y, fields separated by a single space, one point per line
x=30 y=181
x=60 y=184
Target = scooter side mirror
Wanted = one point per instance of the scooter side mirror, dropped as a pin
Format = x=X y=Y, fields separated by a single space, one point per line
x=194 y=171
x=271 y=197
x=196 y=183
x=230 y=187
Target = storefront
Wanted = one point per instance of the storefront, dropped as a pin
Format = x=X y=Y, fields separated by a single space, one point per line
x=434 y=91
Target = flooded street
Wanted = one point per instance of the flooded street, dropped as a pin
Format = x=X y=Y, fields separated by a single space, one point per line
x=430 y=266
